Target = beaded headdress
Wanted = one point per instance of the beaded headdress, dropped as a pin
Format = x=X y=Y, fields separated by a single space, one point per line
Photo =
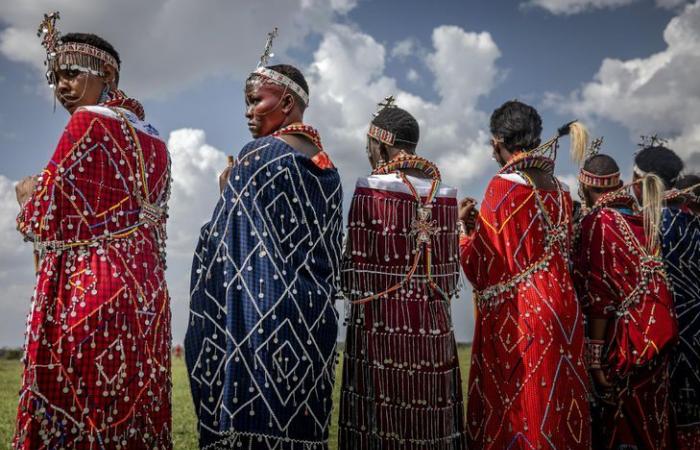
x=587 y=178
x=274 y=76
x=70 y=55
x=646 y=141
x=380 y=134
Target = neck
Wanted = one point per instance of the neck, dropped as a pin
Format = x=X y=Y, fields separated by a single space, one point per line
x=294 y=117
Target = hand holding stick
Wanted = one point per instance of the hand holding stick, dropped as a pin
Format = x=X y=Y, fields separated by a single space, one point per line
x=223 y=178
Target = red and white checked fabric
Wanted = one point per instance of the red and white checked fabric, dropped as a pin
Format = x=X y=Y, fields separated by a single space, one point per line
x=97 y=349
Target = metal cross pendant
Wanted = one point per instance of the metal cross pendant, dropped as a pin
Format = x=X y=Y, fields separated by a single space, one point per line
x=422 y=226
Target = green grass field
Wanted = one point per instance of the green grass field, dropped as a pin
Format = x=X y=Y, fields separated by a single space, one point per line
x=184 y=423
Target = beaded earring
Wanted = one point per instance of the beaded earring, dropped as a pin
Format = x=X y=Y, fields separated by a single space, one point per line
x=104 y=95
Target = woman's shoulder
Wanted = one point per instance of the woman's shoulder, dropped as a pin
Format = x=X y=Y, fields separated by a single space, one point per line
x=85 y=115
x=391 y=182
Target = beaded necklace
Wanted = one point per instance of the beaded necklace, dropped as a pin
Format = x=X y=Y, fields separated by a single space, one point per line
x=422 y=226
x=618 y=196
x=524 y=160
x=556 y=233
x=301 y=129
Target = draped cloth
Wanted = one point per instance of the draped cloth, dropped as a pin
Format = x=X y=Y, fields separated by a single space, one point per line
x=260 y=346
x=528 y=386
x=619 y=280
x=681 y=251
x=97 y=349
x=401 y=379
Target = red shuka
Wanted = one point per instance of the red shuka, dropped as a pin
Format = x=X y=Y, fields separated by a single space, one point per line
x=97 y=361
x=528 y=387
x=617 y=279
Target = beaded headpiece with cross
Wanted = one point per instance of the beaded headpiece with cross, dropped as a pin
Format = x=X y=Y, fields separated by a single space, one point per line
x=382 y=135
x=70 y=55
x=274 y=76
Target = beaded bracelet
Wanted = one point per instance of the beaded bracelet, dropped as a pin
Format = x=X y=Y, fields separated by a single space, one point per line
x=594 y=353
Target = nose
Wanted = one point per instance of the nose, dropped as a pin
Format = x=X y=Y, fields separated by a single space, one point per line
x=62 y=85
x=249 y=111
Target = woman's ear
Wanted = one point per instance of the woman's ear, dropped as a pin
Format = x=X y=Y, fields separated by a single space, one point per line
x=110 y=75
x=288 y=103
x=384 y=152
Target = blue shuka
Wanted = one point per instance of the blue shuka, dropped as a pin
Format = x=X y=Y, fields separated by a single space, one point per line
x=681 y=251
x=261 y=341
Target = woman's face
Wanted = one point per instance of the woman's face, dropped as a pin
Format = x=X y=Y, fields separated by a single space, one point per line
x=500 y=154
x=637 y=188
x=374 y=152
x=75 y=88
x=266 y=104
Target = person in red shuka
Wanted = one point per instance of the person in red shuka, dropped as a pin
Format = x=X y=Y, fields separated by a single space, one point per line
x=97 y=348
x=623 y=288
x=528 y=386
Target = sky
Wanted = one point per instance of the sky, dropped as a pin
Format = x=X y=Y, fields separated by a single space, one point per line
x=623 y=67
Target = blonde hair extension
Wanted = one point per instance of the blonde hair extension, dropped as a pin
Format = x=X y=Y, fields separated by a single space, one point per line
x=653 y=195
x=579 y=141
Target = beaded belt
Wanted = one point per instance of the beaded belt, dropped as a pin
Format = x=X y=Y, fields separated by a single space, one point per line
x=492 y=292
x=42 y=247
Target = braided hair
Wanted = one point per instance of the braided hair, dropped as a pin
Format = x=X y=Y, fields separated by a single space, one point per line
x=517 y=125
x=402 y=124
x=661 y=161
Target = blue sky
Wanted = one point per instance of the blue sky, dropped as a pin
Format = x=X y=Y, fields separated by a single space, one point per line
x=625 y=67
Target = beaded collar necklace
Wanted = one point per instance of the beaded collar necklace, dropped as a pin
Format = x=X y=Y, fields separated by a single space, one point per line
x=616 y=197
x=525 y=160
x=301 y=129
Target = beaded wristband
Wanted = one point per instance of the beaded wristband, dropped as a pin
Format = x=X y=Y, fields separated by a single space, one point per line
x=594 y=353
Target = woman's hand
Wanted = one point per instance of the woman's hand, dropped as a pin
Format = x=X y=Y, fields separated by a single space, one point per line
x=468 y=214
x=25 y=188
x=604 y=387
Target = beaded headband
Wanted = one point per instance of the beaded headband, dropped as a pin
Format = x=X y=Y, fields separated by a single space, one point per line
x=70 y=55
x=274 y=76
x=380 y=134
x=599 y=181
x=587 y=178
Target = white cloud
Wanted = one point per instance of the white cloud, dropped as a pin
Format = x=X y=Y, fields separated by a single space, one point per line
x=195 y=190
x=656 y=94
x=167 y=45
x=347 y=80
x=404 y=48
x=571 y=181
x=568 y=7
x=413 y=75
x=16 y=269
x=575 y=6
